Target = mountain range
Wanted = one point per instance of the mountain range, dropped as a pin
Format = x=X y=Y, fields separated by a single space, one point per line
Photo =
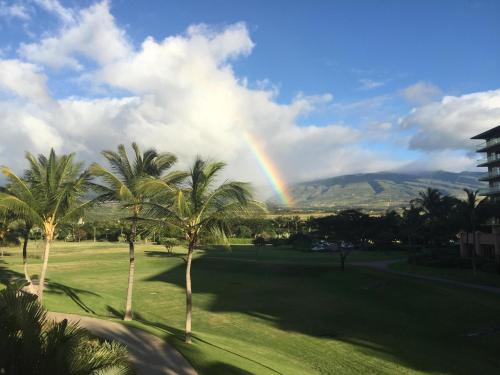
x=377 y=191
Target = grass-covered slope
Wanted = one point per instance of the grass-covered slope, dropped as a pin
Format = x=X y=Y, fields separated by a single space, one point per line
x=279 y=311
x=378 y=191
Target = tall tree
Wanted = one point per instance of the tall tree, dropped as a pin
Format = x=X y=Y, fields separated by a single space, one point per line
x=4 y=229
x=51 y=195
x=470 y=212
x=19 y=188
x=199 y=209
x=439 y=213
x=120 y=184
x=431 y=201
x=412 y=220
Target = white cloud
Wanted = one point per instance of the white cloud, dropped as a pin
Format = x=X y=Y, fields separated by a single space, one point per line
x=54 y=6
x=368 y=84
x=24 y=80
x=93 y=35
x=449 y=123
x=421 y=92
x=182 y=95
x=372 y=103
x=18 y=11
x=446 y=160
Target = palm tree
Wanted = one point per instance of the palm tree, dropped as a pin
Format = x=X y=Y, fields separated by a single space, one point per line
x=438 y=211
x=30 y=344
x=4 y=229
x=412 y=226
x=18 y=188
x=470 y=207
x=121 y=184
x=198 y=210
x=430 y=201
x=51 y=195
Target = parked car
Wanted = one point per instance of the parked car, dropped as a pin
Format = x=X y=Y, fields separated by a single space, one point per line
x=346 y=245
x=324 y=246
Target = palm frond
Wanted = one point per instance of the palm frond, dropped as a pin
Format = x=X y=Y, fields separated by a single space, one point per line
x=20 y=209
x=119 y=187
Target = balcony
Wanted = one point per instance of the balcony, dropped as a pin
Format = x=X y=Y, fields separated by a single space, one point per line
x=491 y=175
x=486 y=145
x=495 y=190
x=483 y=162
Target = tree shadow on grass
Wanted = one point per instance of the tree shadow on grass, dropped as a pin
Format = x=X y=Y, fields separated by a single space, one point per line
x=8 y=276
x=224 y=368
x=175 y=337
x=164 y=254
x=114 y=312
x=385 y=316
x=72 y=293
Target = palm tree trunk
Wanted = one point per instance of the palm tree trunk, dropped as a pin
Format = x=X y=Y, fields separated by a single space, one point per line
x=41 y=283
x=25 y=261
x=131 y=271
x=189 y=295
x=474 y=267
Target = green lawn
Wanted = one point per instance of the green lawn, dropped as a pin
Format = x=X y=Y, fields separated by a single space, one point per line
x=281 y=311
x=288 y=255
x=461 y=275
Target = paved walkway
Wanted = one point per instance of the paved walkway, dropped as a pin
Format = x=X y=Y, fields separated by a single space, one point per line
x=383 y=265
x=149 y=354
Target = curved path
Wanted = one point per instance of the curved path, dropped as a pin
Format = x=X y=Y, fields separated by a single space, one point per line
x=383 y=265
x=149 y=354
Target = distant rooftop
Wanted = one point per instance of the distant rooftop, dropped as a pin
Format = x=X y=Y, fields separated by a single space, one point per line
x=488 y=133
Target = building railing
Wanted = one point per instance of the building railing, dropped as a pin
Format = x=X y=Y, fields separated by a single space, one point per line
x=489 y=159
x=488 y=143
x=490 y=191
x=491 y=174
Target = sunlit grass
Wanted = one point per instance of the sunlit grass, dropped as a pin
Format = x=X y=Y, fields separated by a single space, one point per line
x=274 y=310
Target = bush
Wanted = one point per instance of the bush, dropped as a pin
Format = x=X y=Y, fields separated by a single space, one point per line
x=279 y=241
x=240 y=241
x=169 y=243
x=300 y=241
x=448 y=257
x=31 y=345
x=243 y=231
x=10 y=239
x=259 y=241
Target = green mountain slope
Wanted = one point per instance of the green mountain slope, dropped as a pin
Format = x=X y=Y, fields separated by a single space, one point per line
x=378 y=191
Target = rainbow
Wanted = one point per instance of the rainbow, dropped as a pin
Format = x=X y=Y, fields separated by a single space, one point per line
x=269 y=169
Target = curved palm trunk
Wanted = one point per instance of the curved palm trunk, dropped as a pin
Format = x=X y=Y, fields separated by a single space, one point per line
x=25 y=261
x=343 y=255
x=189 y=295
x=41 y=283
x=474 y=266
x=131 y=271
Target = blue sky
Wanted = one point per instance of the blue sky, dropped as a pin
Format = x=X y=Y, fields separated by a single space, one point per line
x=384 y=76
x=328 y=46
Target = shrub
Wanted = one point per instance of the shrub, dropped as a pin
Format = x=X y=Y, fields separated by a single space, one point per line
x=169 y=243
x=32 y=345
x=300 y=241
x=259 y=241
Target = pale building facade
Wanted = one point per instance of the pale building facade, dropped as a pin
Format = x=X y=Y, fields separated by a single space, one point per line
x=486 y=244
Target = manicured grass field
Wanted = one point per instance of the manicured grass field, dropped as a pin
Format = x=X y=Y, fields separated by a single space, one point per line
x=272 y=310
x=461 y=275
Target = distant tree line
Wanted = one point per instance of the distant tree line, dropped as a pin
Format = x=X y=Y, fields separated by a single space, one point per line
x=433 y=219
